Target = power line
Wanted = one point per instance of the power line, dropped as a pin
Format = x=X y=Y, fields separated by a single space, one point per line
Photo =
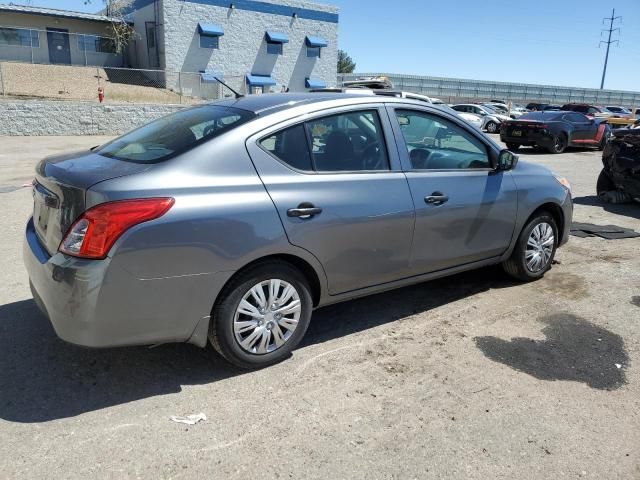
x=612 y=19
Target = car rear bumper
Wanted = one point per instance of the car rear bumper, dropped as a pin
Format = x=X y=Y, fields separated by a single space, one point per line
x=97 y=303
x=542 y=140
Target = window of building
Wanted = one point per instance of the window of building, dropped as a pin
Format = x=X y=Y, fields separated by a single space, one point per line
x=209 y=41
x=274 y=48
x=20 y=37
x=437 y=144
x=151 y=36
x=314 y=52
x=96 y=44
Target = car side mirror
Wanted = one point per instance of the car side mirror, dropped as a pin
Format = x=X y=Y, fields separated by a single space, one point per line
x=507 y=160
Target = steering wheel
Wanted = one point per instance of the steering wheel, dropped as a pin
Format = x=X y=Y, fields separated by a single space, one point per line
x=371 y=157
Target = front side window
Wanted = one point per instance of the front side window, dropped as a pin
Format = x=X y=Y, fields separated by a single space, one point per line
x=348 y=142
x=313 y=52
x=175 y=134
x=209 y=41
x=19 y=37
x=576 y=118
x=274 y=48
x=434 y=143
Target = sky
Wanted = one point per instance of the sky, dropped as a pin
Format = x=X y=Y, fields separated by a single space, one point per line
x=552 y=42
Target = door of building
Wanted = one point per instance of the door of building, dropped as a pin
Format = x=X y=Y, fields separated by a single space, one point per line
x=58 y=42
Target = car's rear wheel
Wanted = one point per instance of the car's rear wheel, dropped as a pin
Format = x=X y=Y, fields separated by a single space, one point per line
x=262 y=315
x=559 y=143
x=604 y=183
x=535 y=250
x=491 y=127
x=513 y=146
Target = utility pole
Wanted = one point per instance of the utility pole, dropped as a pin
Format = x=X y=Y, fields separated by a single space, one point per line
x=611 y=20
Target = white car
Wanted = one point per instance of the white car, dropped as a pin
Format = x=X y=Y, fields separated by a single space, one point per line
x=491 y=119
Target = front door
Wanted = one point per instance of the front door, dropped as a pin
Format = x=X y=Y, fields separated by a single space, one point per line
x=58 y=42
x=341 y=194
x=465 y=211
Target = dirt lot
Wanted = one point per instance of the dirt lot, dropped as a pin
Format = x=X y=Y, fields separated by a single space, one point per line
x=472 y=377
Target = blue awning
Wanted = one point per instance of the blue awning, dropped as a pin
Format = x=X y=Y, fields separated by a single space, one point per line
x=260 y=81
x=276 y=37
x=316 y=42
x=315 y=83
x=210 y=29
x=210 y=77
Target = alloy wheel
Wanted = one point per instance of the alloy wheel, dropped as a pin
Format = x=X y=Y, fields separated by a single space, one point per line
x=540 y=245
x=267 y=316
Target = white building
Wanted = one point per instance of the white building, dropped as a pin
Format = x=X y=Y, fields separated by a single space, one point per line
x=265 y=45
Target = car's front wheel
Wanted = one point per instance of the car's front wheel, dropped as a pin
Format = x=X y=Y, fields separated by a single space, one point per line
x=604 y=183
x=262 y=315
x=535 y=250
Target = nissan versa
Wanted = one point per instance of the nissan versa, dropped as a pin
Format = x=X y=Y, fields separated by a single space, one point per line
x=232 y=221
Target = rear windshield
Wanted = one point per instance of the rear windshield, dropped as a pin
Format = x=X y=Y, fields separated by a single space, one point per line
x=175 y=134
x=548 y=115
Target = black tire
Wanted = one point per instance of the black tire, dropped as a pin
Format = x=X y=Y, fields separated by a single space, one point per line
x=514 y=147
x=491 y=127
x=604 y=183
x=560 y=143
x=221 y=331
x=516 y=265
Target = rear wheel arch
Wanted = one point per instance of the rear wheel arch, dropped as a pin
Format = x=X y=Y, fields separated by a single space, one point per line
x=301 y=265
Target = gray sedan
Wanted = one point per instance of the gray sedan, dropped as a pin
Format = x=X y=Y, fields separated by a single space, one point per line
x=232 y=221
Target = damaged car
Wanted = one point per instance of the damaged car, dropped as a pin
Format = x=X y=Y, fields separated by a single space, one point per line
x=619 y=180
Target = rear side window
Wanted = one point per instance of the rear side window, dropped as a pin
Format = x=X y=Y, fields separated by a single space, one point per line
x=348 y=142
x=291 y=147
x=175 y=134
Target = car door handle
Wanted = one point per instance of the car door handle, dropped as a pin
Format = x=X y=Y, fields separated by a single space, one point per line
x=436 y=198
x=304 y=210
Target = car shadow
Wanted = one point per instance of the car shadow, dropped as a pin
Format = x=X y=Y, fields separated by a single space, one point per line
x=574 y=350
x=43 y=378
x=631 y=209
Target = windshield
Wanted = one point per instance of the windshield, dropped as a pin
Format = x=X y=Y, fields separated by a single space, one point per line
x=175 y=134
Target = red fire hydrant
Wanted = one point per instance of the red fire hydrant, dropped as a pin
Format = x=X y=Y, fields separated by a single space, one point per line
x=100 y=94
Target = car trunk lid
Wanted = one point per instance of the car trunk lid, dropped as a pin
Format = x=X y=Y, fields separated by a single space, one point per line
x=59 y=189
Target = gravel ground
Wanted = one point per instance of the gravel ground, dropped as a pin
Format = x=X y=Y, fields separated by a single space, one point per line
x=472 y=377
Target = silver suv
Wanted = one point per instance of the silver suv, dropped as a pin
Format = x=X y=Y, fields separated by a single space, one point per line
x=231 y=222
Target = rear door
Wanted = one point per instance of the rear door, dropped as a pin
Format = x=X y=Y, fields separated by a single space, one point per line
x=465 y=211
x=337 y=184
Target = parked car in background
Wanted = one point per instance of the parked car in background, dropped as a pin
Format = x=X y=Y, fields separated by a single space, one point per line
x=491 y=119
x=555 y=131
x=542 y=107
x=504 y=110
x=621 y=165
x=619 y=112
x=588 y=110
x=232 y=221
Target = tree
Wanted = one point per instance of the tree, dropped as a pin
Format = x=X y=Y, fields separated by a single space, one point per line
x=117 y=11
x=345 y=62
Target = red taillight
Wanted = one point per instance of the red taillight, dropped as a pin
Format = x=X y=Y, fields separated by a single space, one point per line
x=94 y=233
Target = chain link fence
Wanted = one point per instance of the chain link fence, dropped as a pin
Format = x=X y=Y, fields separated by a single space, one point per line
x=453 y=90
x=120 y=85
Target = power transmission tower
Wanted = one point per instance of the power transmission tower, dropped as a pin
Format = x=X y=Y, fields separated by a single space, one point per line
x=612 y=19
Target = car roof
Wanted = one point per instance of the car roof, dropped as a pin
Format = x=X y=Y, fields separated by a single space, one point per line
x=276 y=102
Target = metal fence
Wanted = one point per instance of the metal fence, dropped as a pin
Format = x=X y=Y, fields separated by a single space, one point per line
x=453 y=90
x=120 y=85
